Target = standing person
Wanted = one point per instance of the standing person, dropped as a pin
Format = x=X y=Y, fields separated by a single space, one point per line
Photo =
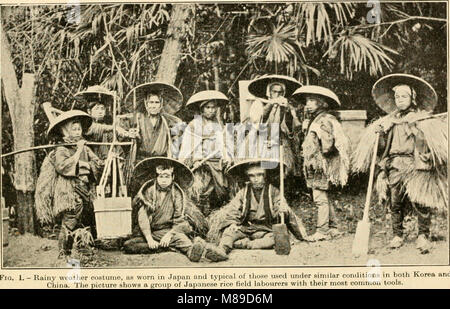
x=69 y=175
x=161 y=204
x=154 y=127
x=246 y=222
x=203 y=149
x=99 y=101
x=326 y=154
x=271 y=110
x=413 y=165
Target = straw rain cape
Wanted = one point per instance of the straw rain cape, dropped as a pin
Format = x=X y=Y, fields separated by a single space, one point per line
x=54 y=193
x=336 y=166
x=425 y=186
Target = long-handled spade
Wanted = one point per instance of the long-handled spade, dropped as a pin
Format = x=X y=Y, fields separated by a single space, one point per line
x=280 y=231
x=361 y=240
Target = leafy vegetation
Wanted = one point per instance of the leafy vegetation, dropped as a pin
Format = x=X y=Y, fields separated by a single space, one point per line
x=336 y=45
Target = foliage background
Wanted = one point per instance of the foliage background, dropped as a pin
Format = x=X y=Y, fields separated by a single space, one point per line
x=119 y=45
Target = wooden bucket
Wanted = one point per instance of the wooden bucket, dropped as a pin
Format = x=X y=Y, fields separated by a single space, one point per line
x=5 y=223
x=113 y=217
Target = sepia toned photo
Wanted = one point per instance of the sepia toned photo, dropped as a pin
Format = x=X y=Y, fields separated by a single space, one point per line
x=203 y=135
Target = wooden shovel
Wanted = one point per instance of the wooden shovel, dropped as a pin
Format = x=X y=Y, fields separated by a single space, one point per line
x=280 y=231
x=361 y=241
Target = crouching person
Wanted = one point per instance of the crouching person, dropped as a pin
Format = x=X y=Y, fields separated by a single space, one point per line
x=160 y=214
x=255 y=208
x=70 y=173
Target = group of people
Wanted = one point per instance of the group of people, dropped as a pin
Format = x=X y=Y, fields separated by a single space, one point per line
x=230 y=173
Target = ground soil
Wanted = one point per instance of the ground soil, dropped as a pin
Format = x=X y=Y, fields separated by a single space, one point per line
x=33 y=251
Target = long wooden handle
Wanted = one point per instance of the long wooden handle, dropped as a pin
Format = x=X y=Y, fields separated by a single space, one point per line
x=282 y=179
x=212 y=154
x=369 y=187
x=64 y=144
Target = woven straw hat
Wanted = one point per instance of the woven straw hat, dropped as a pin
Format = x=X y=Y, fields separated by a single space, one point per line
x=146 y=170
x=57 y=118
x=172 y=97
x=239 y=168
x=330 y=97
x=99 y=92
x=200 y=98
x=258 y=87
x=383 y=93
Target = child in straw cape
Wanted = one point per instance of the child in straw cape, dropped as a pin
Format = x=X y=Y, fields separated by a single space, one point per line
x=413 y=165
x=326 y=155
x=65 y=184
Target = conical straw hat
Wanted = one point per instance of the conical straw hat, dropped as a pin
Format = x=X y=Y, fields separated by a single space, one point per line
x=330 y=97
x=146 y=170
x=172 y=97
x=198 y=99
x=383 y=93
x=57 y=118
x=258 y=87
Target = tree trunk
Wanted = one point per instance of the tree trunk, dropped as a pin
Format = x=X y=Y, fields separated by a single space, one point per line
x=21 y=108
x=216 y=73
x=176 y=32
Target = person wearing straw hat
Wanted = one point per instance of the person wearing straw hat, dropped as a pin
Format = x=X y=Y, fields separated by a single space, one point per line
x=413 y=147
x=203 y=149
x=70 y=174
x=154 y=124
x=270 y=108
x=160 y=205
x=246 y=221
x=326 y=154
x=98 y=100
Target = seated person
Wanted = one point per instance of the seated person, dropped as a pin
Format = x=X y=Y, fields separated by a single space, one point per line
x=253 y=210
x=160 y=211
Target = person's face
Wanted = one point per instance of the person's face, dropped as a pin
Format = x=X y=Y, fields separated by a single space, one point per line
x=257 y=177
x=276 y=91
x=312 y=104
x=98 y=112
x=74 y=129
x=164 y=180
x=209 y=110
x=402 y=100
x=153 y=105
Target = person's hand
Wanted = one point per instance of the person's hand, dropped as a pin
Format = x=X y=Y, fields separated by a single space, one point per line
x=284 y=208
x=293 y=111
x=279 y=101
x=81 y=143
x=165 y=241
x=196 y=165
x=226 y=163
x=122 y=132
x=233 y=228
x=305 y=124
x=282 y=101
x=152 y=244
x=134 y=133
x=384 y=126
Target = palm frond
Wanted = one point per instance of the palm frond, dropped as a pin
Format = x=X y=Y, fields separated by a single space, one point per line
x=318 y=20
x=357 y=53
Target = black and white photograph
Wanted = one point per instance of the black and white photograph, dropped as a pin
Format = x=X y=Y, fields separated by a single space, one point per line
x=224 y=134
